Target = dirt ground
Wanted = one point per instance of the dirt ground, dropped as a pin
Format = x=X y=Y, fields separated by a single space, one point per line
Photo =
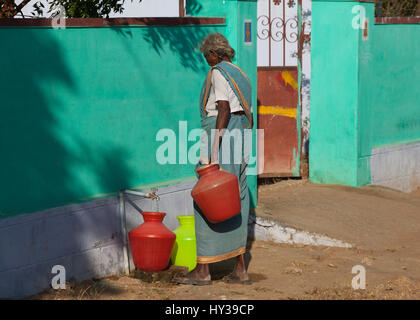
x=382 y=225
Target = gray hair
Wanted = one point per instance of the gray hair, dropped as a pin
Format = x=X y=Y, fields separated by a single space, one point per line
x=218 y=43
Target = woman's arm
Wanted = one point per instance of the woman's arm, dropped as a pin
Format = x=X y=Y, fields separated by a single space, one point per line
x=221 y=124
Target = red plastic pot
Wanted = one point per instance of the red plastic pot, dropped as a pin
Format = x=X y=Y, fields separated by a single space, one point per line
x=151 y=243
x=217 y=193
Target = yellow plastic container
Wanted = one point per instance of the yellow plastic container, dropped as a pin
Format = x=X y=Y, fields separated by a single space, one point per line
x=184 y=252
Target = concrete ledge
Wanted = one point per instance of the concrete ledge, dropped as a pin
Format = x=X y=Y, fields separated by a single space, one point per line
x=268 y=230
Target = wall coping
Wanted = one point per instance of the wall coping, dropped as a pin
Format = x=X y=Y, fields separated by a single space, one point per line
x=397 y=20
x=383 y=20
x=113 y=22
x=347 y=0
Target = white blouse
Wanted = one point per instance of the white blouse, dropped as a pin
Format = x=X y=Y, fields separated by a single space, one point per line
x=220 y=90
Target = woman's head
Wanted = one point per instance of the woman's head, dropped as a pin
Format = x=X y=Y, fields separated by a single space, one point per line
x=215 y=48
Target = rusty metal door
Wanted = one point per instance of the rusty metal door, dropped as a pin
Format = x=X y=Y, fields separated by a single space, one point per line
x=279 y=55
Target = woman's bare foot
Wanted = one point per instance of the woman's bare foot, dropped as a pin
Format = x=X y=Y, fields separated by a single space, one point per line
x=199 y=276
x=239 y=273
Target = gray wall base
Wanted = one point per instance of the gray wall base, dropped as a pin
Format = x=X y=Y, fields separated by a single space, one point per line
x=396 y=167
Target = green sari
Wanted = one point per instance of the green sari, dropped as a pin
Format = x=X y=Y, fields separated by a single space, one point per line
x=227 y=239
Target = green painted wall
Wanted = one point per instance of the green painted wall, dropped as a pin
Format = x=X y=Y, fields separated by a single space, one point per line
x=389 y=106
x=396 y=91
x=334 y=98
x=81 y=107
x=236 y=12
x=380 y=99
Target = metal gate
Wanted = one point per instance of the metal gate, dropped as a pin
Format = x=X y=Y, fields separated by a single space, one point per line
x=279 y=43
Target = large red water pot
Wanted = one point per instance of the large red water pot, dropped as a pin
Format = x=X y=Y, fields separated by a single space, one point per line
x=151 y=242
x=217 y=193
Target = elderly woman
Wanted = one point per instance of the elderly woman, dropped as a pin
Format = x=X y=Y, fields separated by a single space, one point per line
x=225 y=105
